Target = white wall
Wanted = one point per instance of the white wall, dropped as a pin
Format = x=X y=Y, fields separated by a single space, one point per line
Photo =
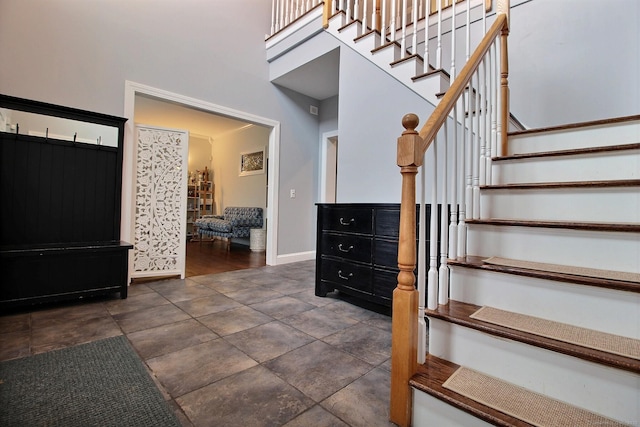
x=231 y=188
x=574 y=60
x=371 y=107
x=80 y=53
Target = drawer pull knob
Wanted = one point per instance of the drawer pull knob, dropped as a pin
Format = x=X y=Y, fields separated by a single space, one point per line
x=344 y=250
x=344 y=277
x=351 y=221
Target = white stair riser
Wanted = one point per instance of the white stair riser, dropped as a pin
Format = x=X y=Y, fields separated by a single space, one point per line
x=614 y=165
x=429 y=411
x=595 y=249
x=366 y=44
x=606 y=204
x=433 y=84
x=385 y=56
x=606 y=310
x=347 y=34
x=407 y=69
x=597 y=388
x=594 y=136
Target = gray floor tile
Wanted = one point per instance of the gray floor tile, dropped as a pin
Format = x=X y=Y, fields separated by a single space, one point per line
x=72 y=333
x=365 y=402
x=136 y=302
x=229 y=285
x=137 y=289
x=74 y=312
x=15 y=323
x=184 y=293
x=253 y=295
x=149 y=318
x=194 y=367
x=236 y=320
x=309 y=296
x=206 y=305
x=318 y=369
x=268 y=341
x=319 y=322
x=351 y=310
x=282 y=307
x=368 y=343
x=14 y=345
x=169 y=338
x=255 y=397
x=317 y=416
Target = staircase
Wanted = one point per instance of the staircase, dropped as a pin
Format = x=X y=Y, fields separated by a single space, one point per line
x=563 y=197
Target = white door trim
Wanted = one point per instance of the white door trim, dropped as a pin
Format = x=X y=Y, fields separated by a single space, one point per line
x=128 y=170
x=325 y=142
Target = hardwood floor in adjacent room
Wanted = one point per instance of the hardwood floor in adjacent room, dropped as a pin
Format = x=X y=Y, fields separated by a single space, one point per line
x=213 y=257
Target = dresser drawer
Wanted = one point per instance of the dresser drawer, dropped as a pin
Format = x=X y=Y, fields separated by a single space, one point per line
x=348 y=220
x=346 y=274
x=355 y=248
x=384 y=283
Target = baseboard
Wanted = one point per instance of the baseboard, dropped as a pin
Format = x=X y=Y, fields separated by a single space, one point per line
x=295 y=257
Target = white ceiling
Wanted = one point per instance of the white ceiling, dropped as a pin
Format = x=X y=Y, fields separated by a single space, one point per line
x=317 y=79
x=155 y=112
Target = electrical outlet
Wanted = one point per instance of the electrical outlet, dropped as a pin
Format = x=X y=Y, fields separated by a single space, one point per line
x=292 y=193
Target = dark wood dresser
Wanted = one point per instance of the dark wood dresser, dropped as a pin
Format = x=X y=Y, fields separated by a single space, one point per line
x=357 y=250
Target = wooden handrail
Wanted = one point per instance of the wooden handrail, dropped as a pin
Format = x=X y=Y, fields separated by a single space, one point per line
x=326 y=13
x=412 y=147
x=446 y=104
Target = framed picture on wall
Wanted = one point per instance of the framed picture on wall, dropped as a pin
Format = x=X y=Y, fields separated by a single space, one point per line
x=252 y=163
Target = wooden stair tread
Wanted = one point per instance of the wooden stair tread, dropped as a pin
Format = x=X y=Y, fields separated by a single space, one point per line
x=576 y=125
x=589 y=226
x=477 y=262
x=435 y=371
x=459 y=313
x=570 y=184
x=571 y=152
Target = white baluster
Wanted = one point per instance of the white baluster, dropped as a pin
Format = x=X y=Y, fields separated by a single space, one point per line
x=443 y=274
x=482 y=173
x=403 y=41
x=439 y=47
x=422 y=246
x=453 y=43
x=453 y=222
x=426 y=44
x=273 y=17
x=349 y=16
x=494 y=112
x=470 y=152
x=356 y=10
x=468 y=29
x=365 y=16
x=462 y=191
x=432 y=282
x=383 y=22
x=392 y=24
x=414 y=16
x=476 y=151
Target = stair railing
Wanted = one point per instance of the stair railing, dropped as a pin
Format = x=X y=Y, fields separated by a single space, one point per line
x=467 y=127
x=395 y=21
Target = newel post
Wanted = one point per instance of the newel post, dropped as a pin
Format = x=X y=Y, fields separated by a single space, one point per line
x=404 y=323
x=504 y=8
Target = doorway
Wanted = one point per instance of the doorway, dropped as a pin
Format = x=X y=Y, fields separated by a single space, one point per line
x=134 y=89
x=328 y=167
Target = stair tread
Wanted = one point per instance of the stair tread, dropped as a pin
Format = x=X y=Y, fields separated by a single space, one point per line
x=569 y=184
x=590 y=226
x=478 y=263
x=576 y=125
x=431 y=376
x=460 y=313
x=570 y=152
x=510 y=400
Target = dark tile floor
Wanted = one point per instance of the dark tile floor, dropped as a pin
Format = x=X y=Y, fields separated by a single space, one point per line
x=250 y=347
